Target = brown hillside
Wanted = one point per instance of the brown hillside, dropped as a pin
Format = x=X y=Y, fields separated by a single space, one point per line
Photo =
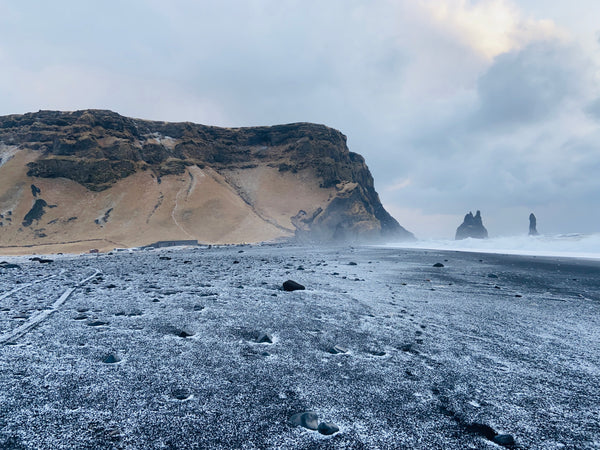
x=95 y=179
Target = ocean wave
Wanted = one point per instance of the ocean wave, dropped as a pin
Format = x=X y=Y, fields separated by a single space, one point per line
x=566 y=245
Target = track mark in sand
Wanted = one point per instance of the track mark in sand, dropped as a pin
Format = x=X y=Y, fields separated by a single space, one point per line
x=189 y=189
x=20 y=288
x=40 y=316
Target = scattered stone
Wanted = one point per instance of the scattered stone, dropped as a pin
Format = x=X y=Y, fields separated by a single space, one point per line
x=264 y=338
x=96 y=323
x=328 y=428
x=337 y=349
x=110 y=286
x=184 y=334
x=111 y=359
x=291 y=285
x=6 y=265
x=236 y=262
x=165 y=258
x=352 y=263
x=45 y=261
x=438 y=265
x=506 y=440
x=377 y=353
x=80 y=317
x=181 y=394
x=306 y=419
x=518 y=295
x=491 y=275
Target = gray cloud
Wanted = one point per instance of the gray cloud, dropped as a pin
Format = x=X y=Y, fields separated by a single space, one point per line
x=529 y=85
x=443 y=129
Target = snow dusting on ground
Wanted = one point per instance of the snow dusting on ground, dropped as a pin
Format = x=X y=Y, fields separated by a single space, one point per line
x=201 y=348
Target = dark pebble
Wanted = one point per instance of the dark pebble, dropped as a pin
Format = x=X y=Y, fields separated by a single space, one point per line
x=180 y=394
x=184 y=334
x=337 y=349
x=352 y=263
x=491 y=275
x=328 y=428
x=264 y=338
x=165 y=258
x=438 y=265
x=96 y=323
x=111 y=359
x=291 y=285
x=504 y=440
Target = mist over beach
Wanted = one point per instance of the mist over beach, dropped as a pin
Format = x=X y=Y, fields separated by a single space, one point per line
x=565 y=245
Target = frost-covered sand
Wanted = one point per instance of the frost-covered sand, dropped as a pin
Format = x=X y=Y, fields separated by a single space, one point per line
x=436 y=357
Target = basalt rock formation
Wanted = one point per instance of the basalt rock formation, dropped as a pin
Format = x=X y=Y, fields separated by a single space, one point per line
x=472 y=227
x=95 y=175
x=532 y=225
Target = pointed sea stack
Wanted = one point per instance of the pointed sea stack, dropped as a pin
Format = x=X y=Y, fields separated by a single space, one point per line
x=472 y=227
x=532 y=225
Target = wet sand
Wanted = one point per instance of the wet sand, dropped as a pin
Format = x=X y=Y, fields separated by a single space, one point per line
x=171 y=353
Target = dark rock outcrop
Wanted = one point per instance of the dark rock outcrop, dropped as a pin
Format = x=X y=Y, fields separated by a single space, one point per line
x=472 y=227
x=532 y=225
x=97 y=148
x=35 y=213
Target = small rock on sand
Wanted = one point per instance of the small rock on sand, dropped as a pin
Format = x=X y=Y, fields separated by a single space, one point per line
x=438 y=265
x=111 y=359
x=264 y=338
x=328 y=428
x=291 y=285
x=336 y=349
x=505 y=440
x=307 y=419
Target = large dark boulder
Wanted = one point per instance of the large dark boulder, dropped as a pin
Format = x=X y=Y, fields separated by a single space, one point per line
x=472 y=227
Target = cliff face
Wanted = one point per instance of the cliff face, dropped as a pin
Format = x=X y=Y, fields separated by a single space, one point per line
x=101 y=151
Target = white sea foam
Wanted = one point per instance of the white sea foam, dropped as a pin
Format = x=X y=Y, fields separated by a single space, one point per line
x=568 y=245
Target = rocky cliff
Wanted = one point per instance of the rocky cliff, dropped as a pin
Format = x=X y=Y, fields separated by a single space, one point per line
x=96 y=175
x=472 y=227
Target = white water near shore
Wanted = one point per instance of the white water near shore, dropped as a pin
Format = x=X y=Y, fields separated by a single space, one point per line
x=564 y=245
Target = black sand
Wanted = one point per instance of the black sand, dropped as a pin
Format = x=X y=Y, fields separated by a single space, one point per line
x=157 y=353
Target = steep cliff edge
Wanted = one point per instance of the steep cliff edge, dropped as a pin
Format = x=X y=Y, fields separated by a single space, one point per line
x=182 y=180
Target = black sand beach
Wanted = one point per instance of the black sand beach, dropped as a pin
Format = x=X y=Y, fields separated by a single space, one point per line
x=201 y=348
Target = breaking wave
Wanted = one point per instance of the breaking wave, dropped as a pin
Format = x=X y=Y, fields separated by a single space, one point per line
x=568 y=245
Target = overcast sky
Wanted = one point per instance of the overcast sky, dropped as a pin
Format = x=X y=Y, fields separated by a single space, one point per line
x=456 y=105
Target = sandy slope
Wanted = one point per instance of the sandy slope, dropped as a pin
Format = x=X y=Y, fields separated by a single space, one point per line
x=249 y=205
x=505 y=342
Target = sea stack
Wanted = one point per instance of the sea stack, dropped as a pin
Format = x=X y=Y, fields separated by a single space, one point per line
x=532 y=225
x=472 y=227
